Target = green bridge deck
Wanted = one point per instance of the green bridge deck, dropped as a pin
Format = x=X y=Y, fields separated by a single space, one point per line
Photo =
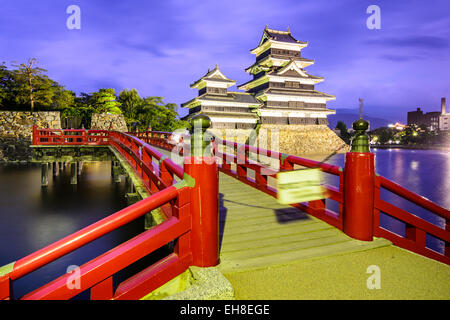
x=270 y=251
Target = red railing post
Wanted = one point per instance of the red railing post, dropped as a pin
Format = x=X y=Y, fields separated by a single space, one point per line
x=447 y=244
x=5 y=287
x=35 y=138
x=203 y=170
x=359 y=186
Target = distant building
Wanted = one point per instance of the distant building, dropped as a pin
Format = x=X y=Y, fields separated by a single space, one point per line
x=429 y=119
x=398 y=126
x=444 y=118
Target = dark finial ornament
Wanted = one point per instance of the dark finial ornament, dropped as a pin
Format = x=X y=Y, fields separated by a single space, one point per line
x=360 y=142
x=200 y=139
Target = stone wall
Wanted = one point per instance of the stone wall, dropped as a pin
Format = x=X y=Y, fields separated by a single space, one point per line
x=16 y=129
x=302 y=140
x=104 y=121
x=299 y=140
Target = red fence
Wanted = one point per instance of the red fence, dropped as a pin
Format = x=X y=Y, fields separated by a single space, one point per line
x=416 y=227
x=69 y=137
x=237 y=159
x=157 y=172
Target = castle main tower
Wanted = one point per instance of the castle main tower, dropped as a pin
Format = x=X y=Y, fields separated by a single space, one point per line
x=280 y=83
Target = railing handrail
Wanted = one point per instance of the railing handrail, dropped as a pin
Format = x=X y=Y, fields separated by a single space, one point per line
x=88 y=234
x=414 y=197
x=170 y=165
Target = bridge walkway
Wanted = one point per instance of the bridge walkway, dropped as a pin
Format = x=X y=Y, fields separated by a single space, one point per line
x=270 y=251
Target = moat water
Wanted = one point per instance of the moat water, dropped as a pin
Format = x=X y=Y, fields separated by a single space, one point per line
x=33 y=217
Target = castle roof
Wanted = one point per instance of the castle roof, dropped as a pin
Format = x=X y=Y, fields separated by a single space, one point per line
x=269 y=57
x=279 y=36
x=213 y=75
x=282 y=36
x=302 y=93
x=237 y=97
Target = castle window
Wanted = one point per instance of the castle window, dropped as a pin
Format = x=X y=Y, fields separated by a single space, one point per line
x=292 y=84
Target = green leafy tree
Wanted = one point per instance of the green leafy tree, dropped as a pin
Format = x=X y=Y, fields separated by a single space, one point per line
x=8 y=88
x=159 y=116
x=104 y=101
x=131 y=104
x=344 y=134
x=62 y=98
x=148 y=112
x=3 y=86
x=33 y=86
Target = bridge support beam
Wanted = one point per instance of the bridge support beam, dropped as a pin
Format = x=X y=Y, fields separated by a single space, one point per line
x=54 y=171
x=80 y=167
x=44 y=174
x=73 y=173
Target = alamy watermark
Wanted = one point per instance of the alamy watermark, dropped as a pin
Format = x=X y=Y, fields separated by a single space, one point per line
x=374 y=20
x=74 y=20
x=74 y=280
x=374 y=280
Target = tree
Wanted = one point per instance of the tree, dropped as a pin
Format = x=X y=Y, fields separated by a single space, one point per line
x=104 y=101
x=33 y=86
x=62 y=98
x=159 y=116
x=345 y=135
x=149 y=112
x=130 y=103
x=7 y=87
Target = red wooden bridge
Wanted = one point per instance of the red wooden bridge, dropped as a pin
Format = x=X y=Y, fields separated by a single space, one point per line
x=188 y=196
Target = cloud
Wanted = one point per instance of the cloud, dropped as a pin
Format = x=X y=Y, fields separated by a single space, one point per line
x=415 y=41
x=401 y=58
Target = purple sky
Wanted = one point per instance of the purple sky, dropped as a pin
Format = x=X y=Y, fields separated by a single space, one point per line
x=160 y=47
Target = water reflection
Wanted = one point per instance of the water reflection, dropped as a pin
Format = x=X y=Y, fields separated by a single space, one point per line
x=33 y=217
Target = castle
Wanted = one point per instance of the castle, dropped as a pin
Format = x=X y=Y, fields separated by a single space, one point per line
x=281 y=97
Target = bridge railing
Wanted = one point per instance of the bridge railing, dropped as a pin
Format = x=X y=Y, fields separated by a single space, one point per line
x=163 y=140
x=171 y=189
x=237 y=159
x=416 y=228
x=69 y=137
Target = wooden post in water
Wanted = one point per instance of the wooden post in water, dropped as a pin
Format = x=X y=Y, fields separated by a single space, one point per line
x=44 y=174
x=73 y=173
x=80 y=168
x=116 y=174
x=54 y=171
x=130 y=185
